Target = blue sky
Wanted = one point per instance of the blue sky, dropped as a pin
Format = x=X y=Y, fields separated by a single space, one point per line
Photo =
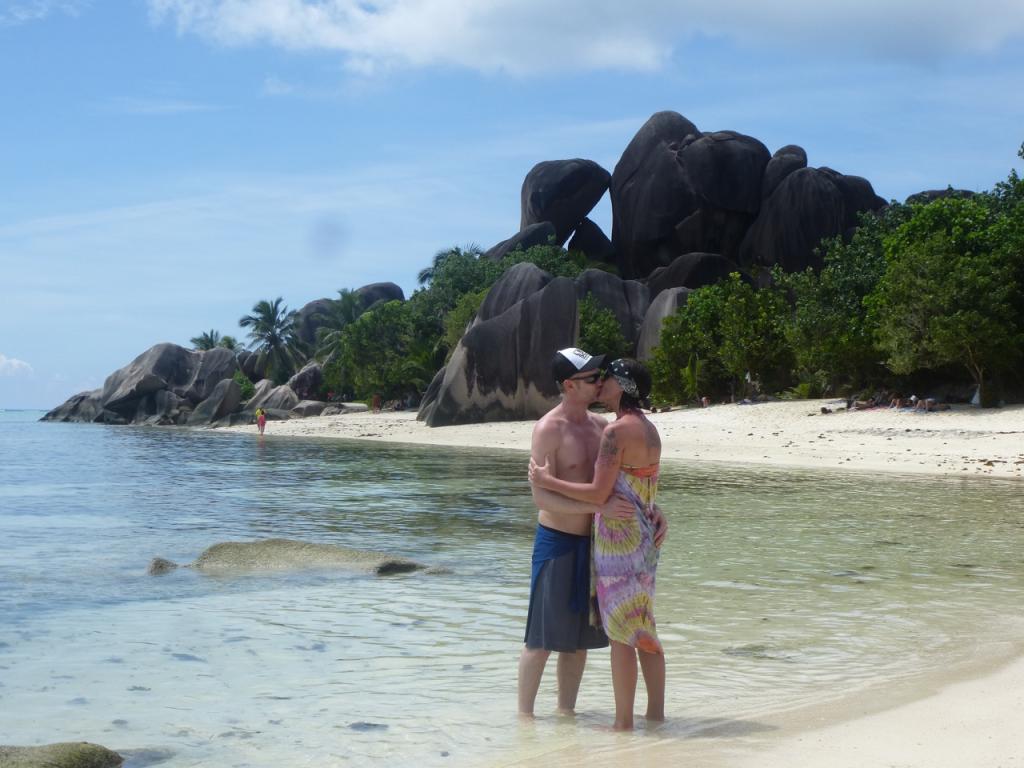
x=166 y=164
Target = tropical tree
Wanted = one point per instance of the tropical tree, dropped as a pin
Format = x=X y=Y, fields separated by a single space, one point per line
x=272 y=335
x=380 y=353
x=342 y=311
x=951 y=292
x=206 y=340
x=426 y=275
x=725 y=338
x=600 y=330
x=830 y=331
x=228 y=342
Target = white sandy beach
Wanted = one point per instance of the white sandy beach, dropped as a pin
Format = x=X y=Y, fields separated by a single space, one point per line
x=974 y=718
x=965 y=441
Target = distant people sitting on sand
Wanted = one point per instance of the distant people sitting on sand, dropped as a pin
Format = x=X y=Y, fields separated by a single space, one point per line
x=861 y=405
x=261 y=420
x=930 y=404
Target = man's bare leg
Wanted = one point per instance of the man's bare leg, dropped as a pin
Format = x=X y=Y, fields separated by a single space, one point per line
x=570 y=673
x=623 y=684
x=653 y=667
x=531 y=669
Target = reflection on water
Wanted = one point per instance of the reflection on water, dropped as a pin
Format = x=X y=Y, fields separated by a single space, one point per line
x=776 y=588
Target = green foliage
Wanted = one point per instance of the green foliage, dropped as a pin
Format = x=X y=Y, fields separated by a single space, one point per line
x=830 y=331
x=456 y=321
x=805 y=390
x=245 y=384
x=206 y=341
x=457 y=272
x=724 y=335
x=951 y=293
x=600 y=330
x=381 y=354
x=343 y=310
x=550 y=258
x=273 y=337
x=211 y=340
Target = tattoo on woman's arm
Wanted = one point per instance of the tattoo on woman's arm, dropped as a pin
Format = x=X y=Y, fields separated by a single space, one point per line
x=609 y=449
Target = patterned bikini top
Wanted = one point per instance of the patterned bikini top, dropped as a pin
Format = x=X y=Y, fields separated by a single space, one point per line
x=651 y=470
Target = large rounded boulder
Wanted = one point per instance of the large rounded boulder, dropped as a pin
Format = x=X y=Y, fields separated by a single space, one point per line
x=785 y=160
x=163 y=366
x=519 y=281
x=858 y=196
x=501 y=369
x=69 y=754
x=378 y=292
x=281 y=398
x=562 y=192
x=627 y=299
x=664 y=305
x=312 y=317
x=224 y=400
x=215 y=365
x=307 y=382
x=806 y=207
x=691 y=270
x=590 y=240
x=84 y=407
x=651 y=193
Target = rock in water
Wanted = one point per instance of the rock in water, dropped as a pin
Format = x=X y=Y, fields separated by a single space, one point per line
x=72 y=754
x=288 y=555
x=160 y=565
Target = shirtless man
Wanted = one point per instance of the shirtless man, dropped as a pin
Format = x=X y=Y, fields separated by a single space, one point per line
x=568 y=438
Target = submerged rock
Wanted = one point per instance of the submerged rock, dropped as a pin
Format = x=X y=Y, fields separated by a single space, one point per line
x=71 y=754
x=287 y=555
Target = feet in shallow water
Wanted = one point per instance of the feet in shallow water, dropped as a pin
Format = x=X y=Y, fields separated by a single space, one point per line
x=653 y=723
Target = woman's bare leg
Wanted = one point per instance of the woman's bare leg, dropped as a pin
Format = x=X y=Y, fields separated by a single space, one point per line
x=623 y=684
x=653 y=667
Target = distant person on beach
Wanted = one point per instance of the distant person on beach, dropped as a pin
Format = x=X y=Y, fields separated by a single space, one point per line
x=566 y=439
x=625 y=549
x=261 y=420
x=930 y=404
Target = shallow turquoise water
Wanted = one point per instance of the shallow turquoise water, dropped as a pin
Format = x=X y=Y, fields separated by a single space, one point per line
x=776 y=589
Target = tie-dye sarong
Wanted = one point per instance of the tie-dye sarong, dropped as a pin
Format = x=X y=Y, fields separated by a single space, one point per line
x=624 y=564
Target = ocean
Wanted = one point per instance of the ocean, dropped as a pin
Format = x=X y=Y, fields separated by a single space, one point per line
x=777 y=590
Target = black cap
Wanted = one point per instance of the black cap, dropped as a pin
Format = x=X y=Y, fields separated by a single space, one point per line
x=632 y=376
x=571 y=361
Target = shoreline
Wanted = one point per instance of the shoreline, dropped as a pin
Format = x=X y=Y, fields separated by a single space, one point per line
x=960 y=715
x=961 y=442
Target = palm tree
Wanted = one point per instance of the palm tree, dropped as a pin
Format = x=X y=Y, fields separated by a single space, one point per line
x=228 y=342
x=206 y=340
x=426 y=274
x=273 y=337
x=344 y=310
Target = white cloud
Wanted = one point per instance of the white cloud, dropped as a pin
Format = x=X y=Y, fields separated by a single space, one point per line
x=25 y=11
x=12 y=366
x=529 y=36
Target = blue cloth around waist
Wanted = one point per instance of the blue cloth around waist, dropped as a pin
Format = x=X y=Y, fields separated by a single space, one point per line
x=551 y=544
